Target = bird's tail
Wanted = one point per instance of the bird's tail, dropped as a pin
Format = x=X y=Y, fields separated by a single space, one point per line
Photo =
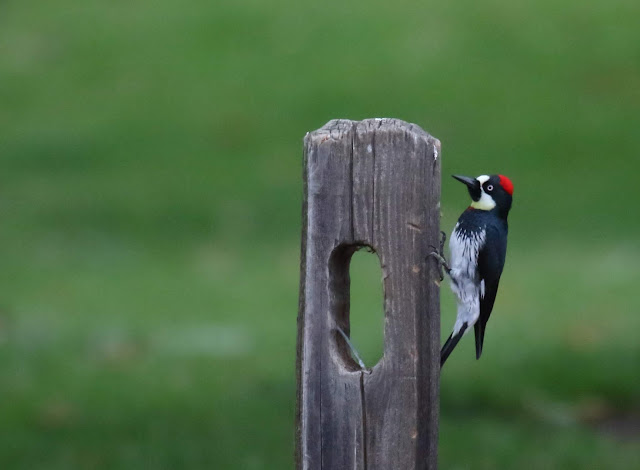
x=450 y=344
x=479 y=329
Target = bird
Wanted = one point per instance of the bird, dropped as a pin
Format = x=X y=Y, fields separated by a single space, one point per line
x=478 y=247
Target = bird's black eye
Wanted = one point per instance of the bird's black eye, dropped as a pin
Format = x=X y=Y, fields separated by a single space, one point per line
x=490 y=187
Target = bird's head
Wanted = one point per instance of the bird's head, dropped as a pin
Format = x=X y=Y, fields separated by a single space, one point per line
x=489 y=192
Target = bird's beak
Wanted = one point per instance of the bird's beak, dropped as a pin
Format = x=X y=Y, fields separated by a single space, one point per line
x=472 y=183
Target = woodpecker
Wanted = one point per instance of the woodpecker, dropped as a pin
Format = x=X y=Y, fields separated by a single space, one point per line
x=478 y=248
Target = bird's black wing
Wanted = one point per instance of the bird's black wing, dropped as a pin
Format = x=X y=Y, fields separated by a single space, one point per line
x=450 y=344
x=490 y=264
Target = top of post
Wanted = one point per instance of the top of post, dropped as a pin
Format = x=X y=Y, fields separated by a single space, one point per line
x=336 y=129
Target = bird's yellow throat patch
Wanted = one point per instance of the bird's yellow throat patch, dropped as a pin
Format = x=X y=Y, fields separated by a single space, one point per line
x=485 y=203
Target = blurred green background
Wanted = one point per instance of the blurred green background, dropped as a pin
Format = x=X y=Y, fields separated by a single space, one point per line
x=150 y=192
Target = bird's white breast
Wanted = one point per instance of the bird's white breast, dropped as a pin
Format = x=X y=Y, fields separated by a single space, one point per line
x=465 y=247
x=465 y=281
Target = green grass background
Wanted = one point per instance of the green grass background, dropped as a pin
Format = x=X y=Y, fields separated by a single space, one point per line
x=150 y=191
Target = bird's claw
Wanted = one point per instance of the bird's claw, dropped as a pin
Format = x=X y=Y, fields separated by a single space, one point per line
x=443 y=239
x=442 y=263
x=439 y=256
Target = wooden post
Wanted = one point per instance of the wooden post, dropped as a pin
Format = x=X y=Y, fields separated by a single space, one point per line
x=376 y=184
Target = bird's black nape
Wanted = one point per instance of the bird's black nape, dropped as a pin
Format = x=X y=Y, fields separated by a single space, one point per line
x=450 y=344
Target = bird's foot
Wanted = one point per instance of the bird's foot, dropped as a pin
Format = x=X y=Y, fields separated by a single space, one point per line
x=442 y=263
x=439 y=256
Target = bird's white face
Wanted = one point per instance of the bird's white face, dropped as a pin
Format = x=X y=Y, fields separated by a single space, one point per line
x=486 y=202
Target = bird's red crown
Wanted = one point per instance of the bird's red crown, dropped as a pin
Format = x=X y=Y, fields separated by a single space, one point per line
x=506 y=184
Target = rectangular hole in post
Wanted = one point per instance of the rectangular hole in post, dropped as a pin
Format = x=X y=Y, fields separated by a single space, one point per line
x=366 y=311
x=357 y=304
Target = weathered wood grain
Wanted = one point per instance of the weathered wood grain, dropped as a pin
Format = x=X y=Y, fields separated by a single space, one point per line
x=373 y=183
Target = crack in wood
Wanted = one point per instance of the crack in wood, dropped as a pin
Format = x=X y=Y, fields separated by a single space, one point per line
x=364 y=421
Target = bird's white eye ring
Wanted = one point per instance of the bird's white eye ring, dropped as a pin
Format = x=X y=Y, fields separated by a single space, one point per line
x=490 y=187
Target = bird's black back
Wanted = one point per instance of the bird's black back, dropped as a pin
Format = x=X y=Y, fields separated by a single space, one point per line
x=491 y=258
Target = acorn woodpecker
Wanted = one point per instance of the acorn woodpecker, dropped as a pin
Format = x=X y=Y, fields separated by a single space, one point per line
x=478 y=248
